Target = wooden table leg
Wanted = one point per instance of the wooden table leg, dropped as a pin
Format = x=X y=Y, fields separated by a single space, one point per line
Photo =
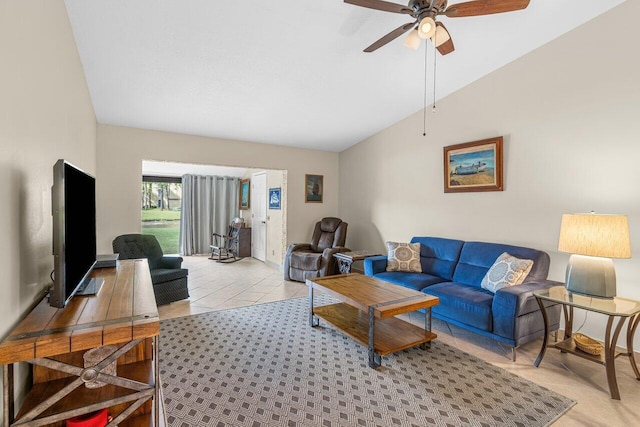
x=7 y=382
x=156 y=379
x=610 y=355
x=545 y=337
x=631 y=331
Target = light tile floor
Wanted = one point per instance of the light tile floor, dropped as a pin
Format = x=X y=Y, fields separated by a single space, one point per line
x=215 y=286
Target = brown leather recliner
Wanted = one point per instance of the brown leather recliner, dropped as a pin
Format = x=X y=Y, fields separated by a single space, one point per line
x=315 y=259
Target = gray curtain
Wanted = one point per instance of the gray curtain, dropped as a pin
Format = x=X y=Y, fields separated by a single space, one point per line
x=209 y=203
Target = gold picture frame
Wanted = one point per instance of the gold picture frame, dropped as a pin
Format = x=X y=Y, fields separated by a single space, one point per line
x=474 y=166
x=245 y=194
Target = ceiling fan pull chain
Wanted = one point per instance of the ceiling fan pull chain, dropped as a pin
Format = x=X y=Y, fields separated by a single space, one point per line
x=424 y=103
x=435 y=56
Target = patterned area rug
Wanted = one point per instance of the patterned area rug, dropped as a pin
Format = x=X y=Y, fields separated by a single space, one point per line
x=265 y=366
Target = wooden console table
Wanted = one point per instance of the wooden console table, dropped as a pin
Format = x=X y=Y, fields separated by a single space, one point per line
x=54 y=340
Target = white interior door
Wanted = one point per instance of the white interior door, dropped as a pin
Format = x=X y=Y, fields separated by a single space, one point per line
x=259 y=216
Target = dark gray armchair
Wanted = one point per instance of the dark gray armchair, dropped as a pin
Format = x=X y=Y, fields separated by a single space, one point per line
x=168 y=278
x=315 y=259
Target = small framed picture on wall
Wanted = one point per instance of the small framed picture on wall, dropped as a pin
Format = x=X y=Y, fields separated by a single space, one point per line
x=313 y=188
x=473 y=166
x=244 y=194
x=274 y=198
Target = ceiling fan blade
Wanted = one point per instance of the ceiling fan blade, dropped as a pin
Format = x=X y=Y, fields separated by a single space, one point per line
x=484 y=7
x=381 y=5
x=444 y=47
x=391 y=36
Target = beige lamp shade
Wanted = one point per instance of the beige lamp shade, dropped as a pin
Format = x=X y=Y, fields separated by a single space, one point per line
x=595 y=235
x=441 y=36
x=413 y=40
x=426 y=28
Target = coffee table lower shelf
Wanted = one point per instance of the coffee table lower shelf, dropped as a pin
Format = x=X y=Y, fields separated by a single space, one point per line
x=391 y=334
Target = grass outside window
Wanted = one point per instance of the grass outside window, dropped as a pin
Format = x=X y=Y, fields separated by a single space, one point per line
x=165 y=225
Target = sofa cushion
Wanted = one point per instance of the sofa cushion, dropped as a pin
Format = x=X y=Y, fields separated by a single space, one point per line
x=306 y=260
x=507 y=270
x=403 y=257
x=415 y=281
x=466 y=304
x=477 y=257
x=439 y=256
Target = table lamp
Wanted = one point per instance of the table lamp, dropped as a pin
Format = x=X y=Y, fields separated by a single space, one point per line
x=593 y=240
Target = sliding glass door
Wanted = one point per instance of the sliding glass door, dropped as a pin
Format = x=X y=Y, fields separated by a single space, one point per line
x=161 y=200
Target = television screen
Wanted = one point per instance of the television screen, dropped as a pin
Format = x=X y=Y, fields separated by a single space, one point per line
x=74 y=230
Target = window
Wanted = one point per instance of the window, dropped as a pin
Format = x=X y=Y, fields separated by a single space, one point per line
x=161 y=200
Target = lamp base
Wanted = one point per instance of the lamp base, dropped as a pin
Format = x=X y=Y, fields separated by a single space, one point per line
x=592 y=276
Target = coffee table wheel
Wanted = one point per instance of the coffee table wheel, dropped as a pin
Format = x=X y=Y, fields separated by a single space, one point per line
x=425 y=345
x=375 y=360
x=314 y=321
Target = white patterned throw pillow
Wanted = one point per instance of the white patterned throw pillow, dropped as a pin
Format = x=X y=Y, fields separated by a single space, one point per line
x=404 y=257
x=507 y=270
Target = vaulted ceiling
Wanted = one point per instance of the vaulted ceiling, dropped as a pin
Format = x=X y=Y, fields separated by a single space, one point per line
x=287 y=72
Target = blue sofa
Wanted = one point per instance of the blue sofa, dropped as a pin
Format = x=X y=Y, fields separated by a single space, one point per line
x=452 y=270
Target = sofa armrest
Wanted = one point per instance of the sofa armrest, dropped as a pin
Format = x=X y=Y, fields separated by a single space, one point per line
x=170 y=262
x=375 y=264
x=516 y=313
x=517 y=300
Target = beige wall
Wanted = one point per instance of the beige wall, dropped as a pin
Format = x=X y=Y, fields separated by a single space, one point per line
x=570 y=116
x=45 y=114
x=121 y=150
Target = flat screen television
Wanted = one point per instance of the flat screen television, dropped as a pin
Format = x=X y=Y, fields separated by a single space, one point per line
x=74 y=233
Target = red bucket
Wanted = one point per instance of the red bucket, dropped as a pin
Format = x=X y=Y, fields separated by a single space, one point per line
x=94 y=419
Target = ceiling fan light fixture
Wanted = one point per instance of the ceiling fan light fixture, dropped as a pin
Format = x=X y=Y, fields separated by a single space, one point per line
x=413 y=40
x=427 y=28
x=441 y=36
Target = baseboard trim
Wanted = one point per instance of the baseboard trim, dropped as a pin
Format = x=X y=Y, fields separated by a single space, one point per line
x=278 y=267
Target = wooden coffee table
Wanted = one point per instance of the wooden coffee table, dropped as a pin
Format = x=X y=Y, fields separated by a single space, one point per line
x=366 y=313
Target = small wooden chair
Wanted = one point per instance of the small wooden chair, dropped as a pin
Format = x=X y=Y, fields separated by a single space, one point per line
x=224 y=247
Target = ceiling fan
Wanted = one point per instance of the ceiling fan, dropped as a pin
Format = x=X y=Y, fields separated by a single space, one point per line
x=425 y=13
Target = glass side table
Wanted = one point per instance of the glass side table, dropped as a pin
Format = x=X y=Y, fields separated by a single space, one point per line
x=621 y=308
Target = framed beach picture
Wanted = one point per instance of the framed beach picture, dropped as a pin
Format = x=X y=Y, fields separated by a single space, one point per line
x=244 y=194
x=313 y=188
x=473 y=166
x=274 y=198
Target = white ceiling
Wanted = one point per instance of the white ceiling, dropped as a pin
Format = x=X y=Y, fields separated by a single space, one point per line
x=286 y=72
